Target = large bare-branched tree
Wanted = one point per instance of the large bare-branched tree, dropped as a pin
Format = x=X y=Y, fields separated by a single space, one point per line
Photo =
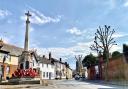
x=103 y=42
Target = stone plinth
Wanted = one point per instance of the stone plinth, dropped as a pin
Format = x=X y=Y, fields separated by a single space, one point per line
x=15 y=81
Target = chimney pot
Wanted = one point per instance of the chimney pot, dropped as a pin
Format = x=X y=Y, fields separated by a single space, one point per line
x=60 y=59
x=43 y=56
x=49 y=55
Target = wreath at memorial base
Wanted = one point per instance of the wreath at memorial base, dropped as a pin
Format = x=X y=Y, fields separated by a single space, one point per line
x=24 y=73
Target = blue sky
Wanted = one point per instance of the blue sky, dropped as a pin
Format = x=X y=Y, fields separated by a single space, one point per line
x=64 y=27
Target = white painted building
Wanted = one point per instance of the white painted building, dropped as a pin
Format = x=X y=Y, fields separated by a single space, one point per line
x=47 y=68
x=35 y=60
x=51 y=68
x=60 y=69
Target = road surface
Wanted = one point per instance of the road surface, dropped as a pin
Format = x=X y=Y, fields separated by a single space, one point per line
x=65 y=84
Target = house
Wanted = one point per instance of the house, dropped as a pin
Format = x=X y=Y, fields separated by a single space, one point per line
x=52 y=68
x=69 y=72
x=60 y=69
x=9 y=59
x=35 y=62
x=9 y=55
x=47 y=68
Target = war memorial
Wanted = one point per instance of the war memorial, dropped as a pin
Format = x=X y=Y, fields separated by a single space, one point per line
x=25 y=72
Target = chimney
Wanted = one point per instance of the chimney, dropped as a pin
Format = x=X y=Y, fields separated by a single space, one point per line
x=49 y=55
x=60 y=59
x=66 y=64
x=43 y=56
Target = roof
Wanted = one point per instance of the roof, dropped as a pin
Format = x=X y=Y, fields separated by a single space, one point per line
x=51 y=61
x=34 y=53
x=11 y=49
x=45 y=60
x=55 y=60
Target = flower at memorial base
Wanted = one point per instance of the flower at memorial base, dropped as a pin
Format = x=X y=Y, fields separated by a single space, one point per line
x=24 y=73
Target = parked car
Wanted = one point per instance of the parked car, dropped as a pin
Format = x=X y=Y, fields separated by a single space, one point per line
x=77 y=77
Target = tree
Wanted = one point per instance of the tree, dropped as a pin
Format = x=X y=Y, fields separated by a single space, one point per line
x=125 y=52
x=103 y=42
x=116 y=54
x=89 y=60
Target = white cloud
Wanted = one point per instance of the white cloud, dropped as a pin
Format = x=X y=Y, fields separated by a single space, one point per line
x=116 y=48
x=4 y=13
x=120 y=34
x=74 y=31
x=66 y=53
x=39 y=18
x=80 y=35
x=126 y=3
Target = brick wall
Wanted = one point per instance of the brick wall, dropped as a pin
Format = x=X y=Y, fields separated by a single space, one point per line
x=117 y=69
x=12 y=68
x=91 y=73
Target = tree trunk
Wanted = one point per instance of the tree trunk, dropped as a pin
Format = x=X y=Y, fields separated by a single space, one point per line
x=106 y=66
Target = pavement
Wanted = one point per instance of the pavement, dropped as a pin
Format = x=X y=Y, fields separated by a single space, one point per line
x=66 y=84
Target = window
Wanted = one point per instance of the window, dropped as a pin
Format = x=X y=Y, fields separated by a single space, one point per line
x=47 y=74
x=47 y=65
x=9 y=58
x=2 y=70
x=57 y=72
x=52 y=66
x=43 y=74
x=37 y=64
x=42 y=65
x=7 y=70
x=33 y=62
x=0 y=55
x=58 y=65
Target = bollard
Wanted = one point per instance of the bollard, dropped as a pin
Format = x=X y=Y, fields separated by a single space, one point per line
x=43 y=82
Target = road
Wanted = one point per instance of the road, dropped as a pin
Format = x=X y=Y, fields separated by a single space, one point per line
x=65 y=84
